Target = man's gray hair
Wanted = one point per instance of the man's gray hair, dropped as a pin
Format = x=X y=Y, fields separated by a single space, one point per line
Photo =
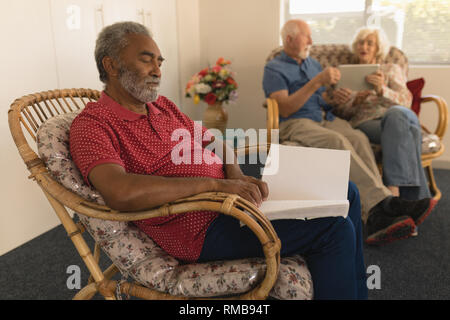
x=290 y=28
x=112 y=39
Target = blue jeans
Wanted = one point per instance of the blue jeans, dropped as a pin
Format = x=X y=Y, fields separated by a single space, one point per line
x=400 y=136
x=332 y=248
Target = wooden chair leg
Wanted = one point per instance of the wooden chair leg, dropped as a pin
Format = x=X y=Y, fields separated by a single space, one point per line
x=87 y=292
x=433 y=187
x=75 y=235
x=97 y=259
x=90 y=290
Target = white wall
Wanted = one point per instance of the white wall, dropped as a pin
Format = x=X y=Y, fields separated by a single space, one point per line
x=27 y=65
x=40 y=53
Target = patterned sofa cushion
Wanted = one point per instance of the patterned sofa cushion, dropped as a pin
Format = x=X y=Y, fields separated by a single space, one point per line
x=137 y=256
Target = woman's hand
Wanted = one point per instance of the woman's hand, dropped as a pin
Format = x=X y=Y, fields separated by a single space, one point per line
x=377 y=80
x=361 y=96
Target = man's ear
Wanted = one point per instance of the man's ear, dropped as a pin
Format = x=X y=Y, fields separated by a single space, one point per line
x=110 y=66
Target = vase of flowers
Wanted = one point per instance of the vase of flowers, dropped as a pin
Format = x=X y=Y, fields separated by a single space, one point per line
x=215 y=116
x=215 y=86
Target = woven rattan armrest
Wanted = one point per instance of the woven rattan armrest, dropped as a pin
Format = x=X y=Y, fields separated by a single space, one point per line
x=228 y=204
x=442 y=110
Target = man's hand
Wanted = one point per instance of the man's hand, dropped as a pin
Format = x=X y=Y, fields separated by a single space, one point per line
x=377 y=80
x=329 y=76
x=341 y=95
x=249 y=188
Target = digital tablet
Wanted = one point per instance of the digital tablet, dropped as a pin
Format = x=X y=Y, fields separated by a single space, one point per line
x=353 y=76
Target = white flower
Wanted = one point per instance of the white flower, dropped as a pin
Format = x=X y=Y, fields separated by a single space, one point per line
x=202 y=88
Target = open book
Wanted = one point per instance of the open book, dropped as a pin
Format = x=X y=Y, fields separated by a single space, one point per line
x=306 y=183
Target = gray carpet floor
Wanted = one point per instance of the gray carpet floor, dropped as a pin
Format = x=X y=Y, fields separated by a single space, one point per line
x=417 y=268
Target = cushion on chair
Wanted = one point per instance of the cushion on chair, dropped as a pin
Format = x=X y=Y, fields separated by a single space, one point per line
x=430 y=143
x=137 y=256
x=415 y=87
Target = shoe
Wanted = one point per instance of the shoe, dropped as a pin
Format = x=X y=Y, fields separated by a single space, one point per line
x=383 y=229
x=418 y=210
x=422 y=217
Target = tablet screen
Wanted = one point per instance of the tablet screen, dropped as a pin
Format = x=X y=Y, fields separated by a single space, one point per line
x=353 y=76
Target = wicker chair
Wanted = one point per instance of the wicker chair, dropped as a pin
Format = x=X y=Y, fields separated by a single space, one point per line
x=333 y=55
x=64 y=191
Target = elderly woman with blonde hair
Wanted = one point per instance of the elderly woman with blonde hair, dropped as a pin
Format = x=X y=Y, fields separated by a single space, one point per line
x=384 y=115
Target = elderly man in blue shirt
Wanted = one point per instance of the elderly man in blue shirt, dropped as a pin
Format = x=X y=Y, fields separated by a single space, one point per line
x=296 y=82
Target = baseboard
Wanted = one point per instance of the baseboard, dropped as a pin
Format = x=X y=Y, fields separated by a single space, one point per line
x=441 y=164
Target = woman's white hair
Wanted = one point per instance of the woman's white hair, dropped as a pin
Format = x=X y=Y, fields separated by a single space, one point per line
x=383 y=45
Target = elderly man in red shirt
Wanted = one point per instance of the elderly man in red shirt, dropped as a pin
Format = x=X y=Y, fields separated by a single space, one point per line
x=123 y=145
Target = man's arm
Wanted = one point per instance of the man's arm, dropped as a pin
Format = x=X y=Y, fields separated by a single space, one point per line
x=124 y=191
x=289 y=104
x=233 y=171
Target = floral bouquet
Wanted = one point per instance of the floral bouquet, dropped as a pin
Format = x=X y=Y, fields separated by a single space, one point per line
x=213 y=84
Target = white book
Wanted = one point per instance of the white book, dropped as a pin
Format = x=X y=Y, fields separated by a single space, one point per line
x=306 y=183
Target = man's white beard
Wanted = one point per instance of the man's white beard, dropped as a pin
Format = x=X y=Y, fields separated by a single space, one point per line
x=140 y=90
x=304 y=53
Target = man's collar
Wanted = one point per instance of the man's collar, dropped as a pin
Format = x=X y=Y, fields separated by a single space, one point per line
x=123 y=112
x=284 y=56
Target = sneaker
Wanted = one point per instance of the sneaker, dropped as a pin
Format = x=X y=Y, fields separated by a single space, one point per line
x=422 y=217
x=383 y=229
x=416 y=209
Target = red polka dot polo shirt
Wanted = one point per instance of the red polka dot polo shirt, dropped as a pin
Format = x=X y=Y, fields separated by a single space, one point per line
x=106 y=132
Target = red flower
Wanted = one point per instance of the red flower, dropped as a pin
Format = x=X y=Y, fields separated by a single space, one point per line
x=204 y=72
x=222 y=62
x=216 y=69
x=232 y=82
x=210 y=98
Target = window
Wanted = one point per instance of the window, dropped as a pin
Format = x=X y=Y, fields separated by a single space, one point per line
x=421 y=28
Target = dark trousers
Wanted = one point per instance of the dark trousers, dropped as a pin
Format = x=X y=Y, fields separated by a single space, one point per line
x=332 y=248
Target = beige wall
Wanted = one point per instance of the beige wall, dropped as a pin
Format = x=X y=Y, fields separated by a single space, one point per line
x=243 y=32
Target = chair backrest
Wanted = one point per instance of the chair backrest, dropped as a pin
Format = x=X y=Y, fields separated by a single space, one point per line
x=26 y=115
x=35 y=109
